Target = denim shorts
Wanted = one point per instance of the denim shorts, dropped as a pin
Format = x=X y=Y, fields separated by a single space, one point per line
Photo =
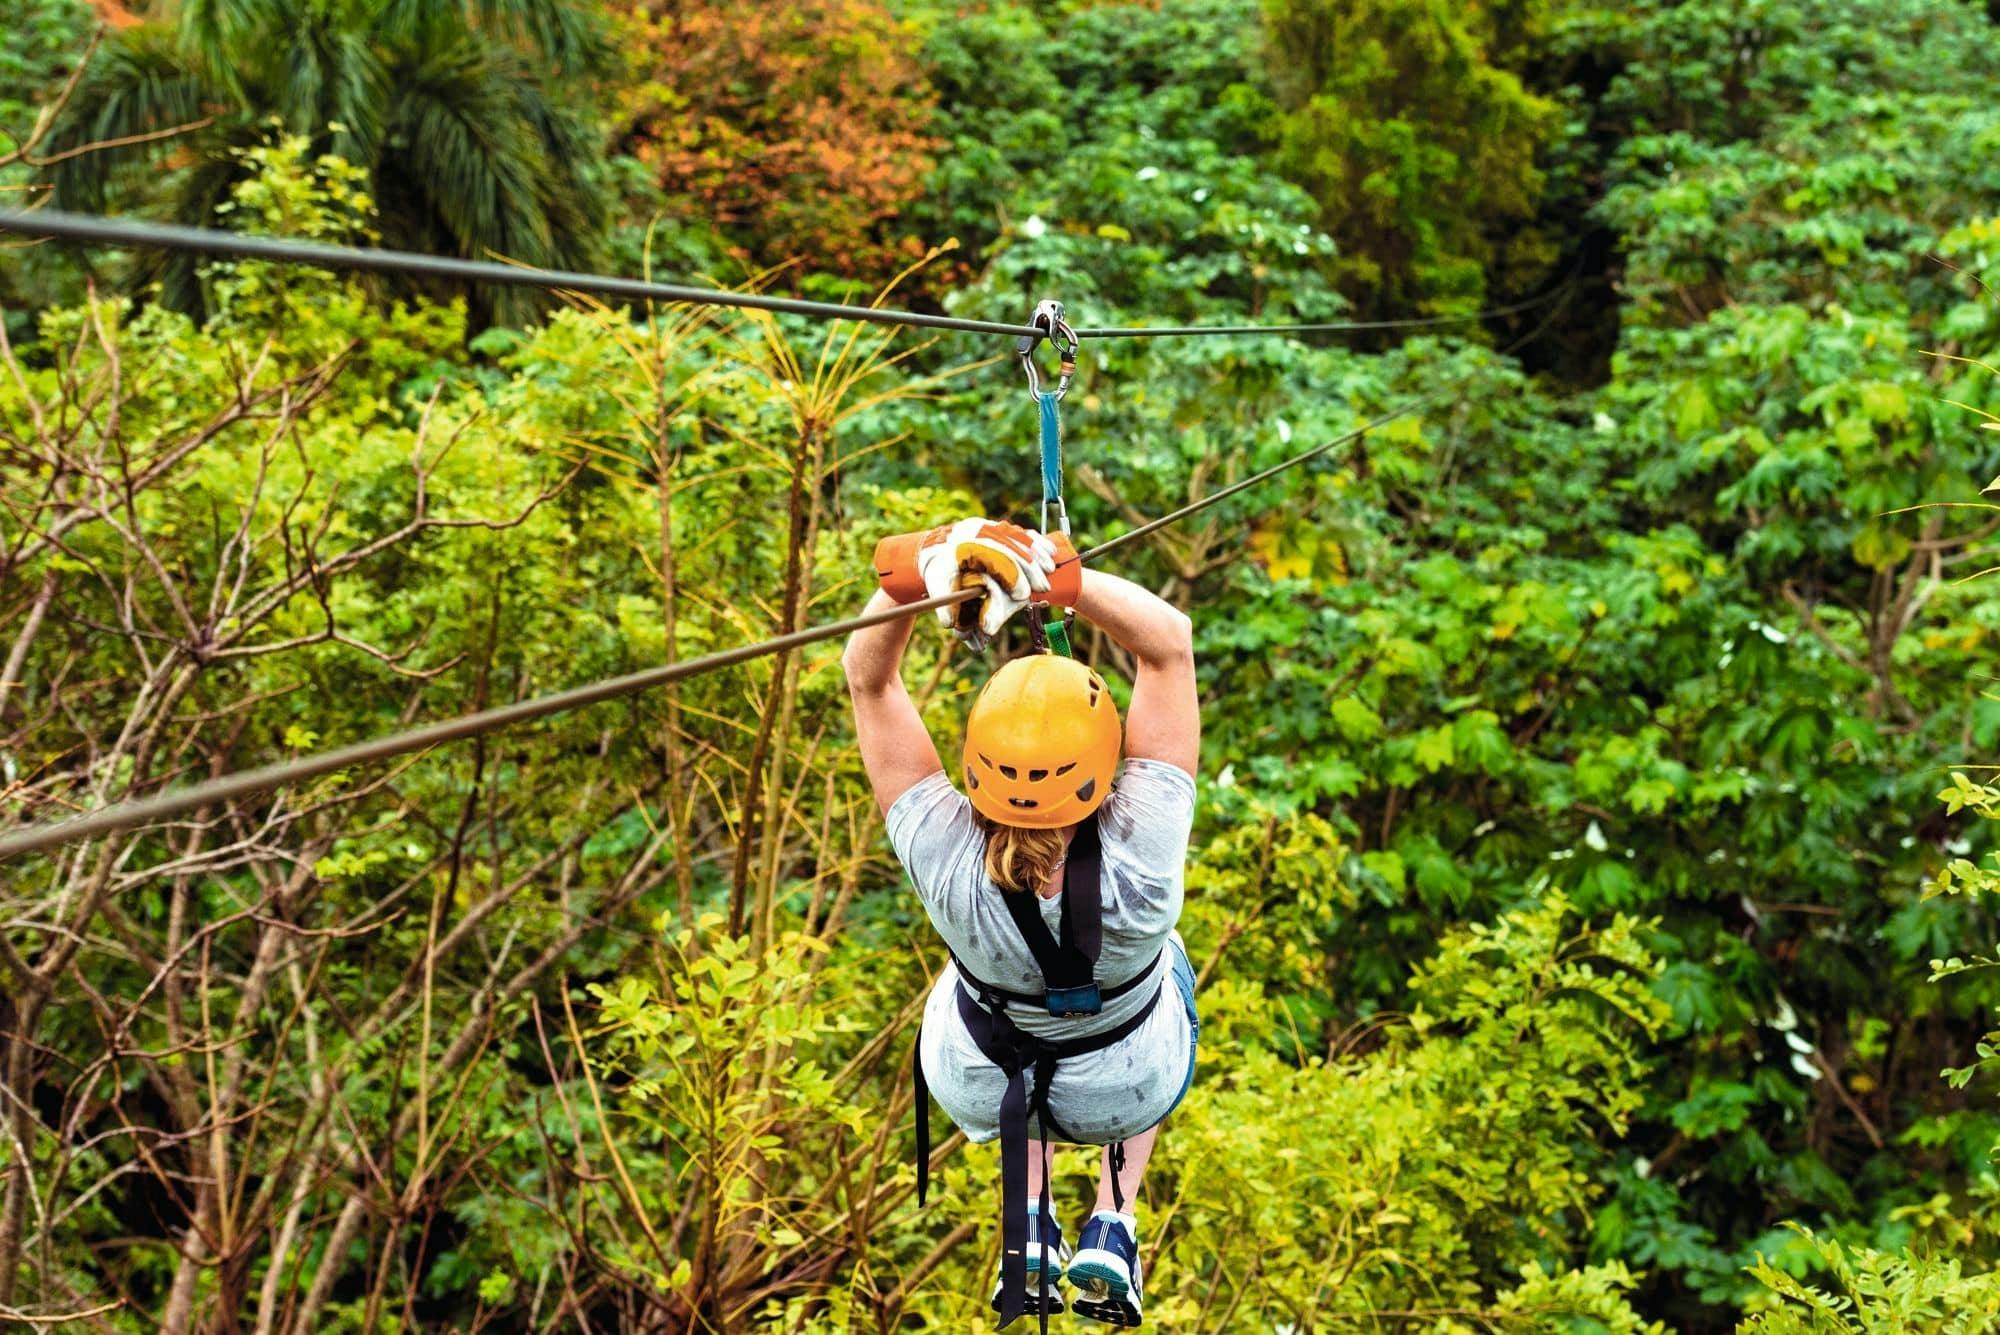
x=1184 y=981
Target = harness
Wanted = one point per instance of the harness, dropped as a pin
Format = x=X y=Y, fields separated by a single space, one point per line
x=1068 y=964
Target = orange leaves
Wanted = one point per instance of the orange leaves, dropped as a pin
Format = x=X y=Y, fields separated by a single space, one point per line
x=799 y=127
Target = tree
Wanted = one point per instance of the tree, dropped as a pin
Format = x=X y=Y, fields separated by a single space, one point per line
x=800 y=129
x=1410 y=124
x=466 y=118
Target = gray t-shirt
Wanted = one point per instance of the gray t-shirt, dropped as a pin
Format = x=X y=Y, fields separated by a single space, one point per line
x=1099 y=1096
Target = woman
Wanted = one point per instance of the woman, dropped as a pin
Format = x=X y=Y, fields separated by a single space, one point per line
x=1068 y=1008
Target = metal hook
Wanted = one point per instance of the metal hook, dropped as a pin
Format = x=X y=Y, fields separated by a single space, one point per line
x=1049 y=319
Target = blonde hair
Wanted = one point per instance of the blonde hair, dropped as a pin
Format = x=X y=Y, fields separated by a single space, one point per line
x=1019 y=858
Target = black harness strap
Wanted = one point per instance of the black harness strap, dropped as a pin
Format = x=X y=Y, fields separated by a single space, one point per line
x=1068 y=963
x=1017 y=1053
x=1039 y=1001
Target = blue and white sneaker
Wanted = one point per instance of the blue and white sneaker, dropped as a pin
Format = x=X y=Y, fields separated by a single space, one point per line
x=1049 y=1254
x=1106 y=1270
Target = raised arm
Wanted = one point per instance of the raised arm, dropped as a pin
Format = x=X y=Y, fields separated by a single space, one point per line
x=1164 y=722
x=1005 y=564
x=896 y=748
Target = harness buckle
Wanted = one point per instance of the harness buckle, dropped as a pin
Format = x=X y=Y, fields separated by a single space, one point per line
x=1069 y=1003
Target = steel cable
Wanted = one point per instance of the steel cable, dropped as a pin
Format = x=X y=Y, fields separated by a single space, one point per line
x=149 y=810
x=1326 y=327
x=1306 y=456
x=139 y=234
x=228 y=787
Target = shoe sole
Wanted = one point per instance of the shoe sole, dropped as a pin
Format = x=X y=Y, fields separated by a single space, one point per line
x=1103 y=1295
x=1032 y=1302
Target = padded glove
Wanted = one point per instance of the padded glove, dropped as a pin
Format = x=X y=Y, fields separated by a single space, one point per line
x=1012 y=565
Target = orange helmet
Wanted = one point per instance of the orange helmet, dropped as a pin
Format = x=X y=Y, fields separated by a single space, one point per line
x=1041 y=743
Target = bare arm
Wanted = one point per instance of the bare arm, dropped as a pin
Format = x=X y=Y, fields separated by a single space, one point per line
x=896 y=748
x=1164 y=722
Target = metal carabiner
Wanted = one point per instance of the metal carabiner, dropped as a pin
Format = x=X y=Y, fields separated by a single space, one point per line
x=1048 y=318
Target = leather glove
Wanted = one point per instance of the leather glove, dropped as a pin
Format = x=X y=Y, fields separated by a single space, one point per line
x=1012 y=565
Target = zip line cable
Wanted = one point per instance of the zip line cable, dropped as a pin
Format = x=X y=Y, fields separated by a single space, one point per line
x=1333 y=327
x=138 y=234
x=149 y=810
x=1414 y=405
x=179 y=801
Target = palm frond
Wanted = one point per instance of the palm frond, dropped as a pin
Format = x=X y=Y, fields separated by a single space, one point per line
x=231 y=40
x=578 y=205
x=569 y=37
x=459 y=146
x=141 y=83
x=417 y=25
x=494 y=164
x=449 y=108
x=335 y=88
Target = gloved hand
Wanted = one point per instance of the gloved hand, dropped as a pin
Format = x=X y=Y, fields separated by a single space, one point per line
x=1013 y=565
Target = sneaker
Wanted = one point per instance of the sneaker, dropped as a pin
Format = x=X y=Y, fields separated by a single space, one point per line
x=1106 y=1270
x=1050 y=1254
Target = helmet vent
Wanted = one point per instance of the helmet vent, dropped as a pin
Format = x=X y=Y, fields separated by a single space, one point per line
x=984 y=761
x=1037 y=775
x=971 y=779
x=1065 y=769
x=1026 y=802
x=1009 y=772
x=1088 y=791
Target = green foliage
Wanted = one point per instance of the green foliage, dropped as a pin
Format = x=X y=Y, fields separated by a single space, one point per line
x=1573 y=898
x=1825 y=158
x=41 y=42
x=1872 y=1291
x=465 y=119
x=1061 y=176
x=1962 y=877
x=1410 y=125
x=1440 y=1170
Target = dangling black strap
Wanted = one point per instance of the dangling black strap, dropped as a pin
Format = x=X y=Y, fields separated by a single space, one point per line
x=1013 y=1198
x=1019 y=1055
x=1045 y=1071
x=1014 y=1104
x=923 y=1091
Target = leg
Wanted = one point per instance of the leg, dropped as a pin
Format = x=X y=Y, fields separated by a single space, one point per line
x=1137 y=1150
x=1106 y=1268
x=1047 y=1254
x=1040 y=1156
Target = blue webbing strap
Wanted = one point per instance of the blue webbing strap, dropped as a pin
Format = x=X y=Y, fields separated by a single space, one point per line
x=1052 y=469
x=1056 y=630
